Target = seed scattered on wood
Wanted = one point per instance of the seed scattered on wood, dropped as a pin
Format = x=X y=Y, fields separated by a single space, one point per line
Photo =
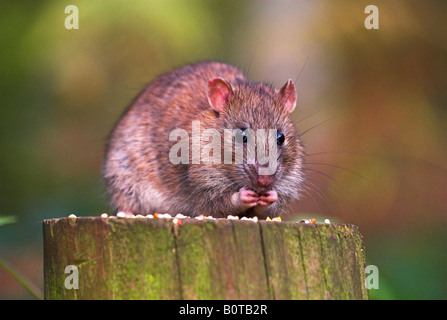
x=178 y=217
x=121 y=214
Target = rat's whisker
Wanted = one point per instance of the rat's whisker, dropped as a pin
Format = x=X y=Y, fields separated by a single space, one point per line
x=307 y=192
x=306 y=117
x=302 y=68
x=319 y=124
x=304 y=155
x=316 y=190
x=335 y=166
x=319 y=172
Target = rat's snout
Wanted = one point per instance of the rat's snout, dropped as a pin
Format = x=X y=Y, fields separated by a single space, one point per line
x=262 y=180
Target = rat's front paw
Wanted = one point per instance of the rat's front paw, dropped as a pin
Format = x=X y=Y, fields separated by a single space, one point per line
x=248 y=198
x=268 y=198
x=245 y=198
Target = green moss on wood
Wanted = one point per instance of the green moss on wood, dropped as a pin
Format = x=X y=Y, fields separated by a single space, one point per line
x=210 y=259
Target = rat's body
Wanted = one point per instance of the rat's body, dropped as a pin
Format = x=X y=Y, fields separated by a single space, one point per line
x=140 y=177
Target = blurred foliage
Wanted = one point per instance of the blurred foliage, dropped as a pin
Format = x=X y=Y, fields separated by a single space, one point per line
x=7 y=219
x=377 y=99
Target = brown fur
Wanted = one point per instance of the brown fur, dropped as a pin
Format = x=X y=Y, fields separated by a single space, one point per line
x=139 y=175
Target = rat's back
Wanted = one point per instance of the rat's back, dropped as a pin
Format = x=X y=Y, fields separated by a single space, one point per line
x=137 y=172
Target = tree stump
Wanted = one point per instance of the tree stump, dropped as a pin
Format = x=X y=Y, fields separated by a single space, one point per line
x=141 y=258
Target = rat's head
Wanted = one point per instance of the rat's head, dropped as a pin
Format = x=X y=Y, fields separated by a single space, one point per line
x=259 y=117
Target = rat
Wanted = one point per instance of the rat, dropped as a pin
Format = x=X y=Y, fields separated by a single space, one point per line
x=141 y=178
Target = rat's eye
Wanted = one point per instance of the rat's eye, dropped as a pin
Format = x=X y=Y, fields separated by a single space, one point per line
x=241 y=135
x=280 y=138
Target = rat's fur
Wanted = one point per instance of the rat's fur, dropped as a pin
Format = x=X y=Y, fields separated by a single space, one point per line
x=139 y=175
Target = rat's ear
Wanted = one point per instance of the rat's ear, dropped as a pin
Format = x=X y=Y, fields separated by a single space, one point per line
x=288 y=95
x=219 y=91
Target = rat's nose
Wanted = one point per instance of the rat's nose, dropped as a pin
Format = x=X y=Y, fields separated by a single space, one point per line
x=264 y=181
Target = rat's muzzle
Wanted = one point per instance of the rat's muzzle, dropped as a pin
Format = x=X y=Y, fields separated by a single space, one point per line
x=265 y=180
x=262 y=181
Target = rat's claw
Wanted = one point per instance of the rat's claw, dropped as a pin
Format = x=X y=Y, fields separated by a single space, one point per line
x=268 y=198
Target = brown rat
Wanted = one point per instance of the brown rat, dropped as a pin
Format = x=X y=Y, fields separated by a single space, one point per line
x=141 y=178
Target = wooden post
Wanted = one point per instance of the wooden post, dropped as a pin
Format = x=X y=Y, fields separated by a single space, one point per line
x=123 y=258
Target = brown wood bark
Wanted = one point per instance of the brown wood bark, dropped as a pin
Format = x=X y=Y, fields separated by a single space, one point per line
x=140 y=258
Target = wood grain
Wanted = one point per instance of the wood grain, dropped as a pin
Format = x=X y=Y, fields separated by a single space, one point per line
x=209 y=259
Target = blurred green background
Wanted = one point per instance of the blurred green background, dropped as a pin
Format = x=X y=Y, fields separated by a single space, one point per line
x=375 y=102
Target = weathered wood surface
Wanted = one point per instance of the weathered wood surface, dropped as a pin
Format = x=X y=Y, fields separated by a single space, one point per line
x=208 y=259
